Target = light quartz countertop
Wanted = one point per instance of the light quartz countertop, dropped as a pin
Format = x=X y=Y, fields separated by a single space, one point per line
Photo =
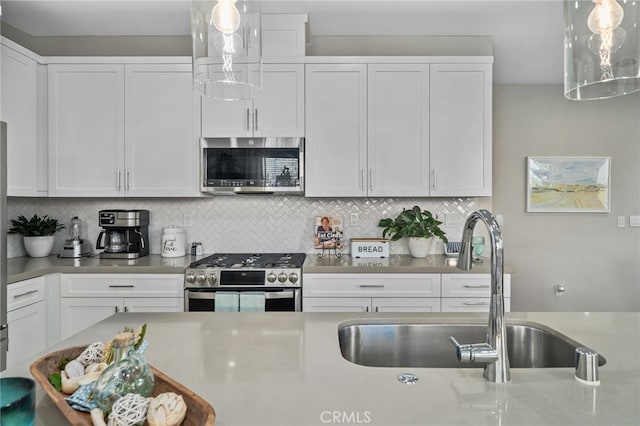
x=23 y=268
x=398 y=263
x=286 y=369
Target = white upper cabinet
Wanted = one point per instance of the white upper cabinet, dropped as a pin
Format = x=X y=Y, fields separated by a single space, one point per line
x=161 y=151
x=461 y=103
x=86 y=130
x=277 y=111
x=121 y=130
x=20 y=112
x=367 y=130
x=336 y=130
x=398 y=130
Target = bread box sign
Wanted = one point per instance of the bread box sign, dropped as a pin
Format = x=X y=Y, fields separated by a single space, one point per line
x=369 y=247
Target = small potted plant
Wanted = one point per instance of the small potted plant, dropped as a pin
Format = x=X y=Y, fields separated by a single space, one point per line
x=419 y=226
x=37 y=233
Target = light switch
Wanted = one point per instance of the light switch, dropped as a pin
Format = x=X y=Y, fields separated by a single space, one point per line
x=353 y=219
x=621 y=221
x=634 y=221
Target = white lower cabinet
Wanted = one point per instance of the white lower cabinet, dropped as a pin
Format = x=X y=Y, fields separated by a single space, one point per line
x=400 y=292
x=471 y=292
x=26 y=319
x=89 y=298
x=371 y=293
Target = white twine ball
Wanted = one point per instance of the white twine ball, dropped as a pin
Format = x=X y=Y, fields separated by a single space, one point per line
x=92 y=354
x=129 y=410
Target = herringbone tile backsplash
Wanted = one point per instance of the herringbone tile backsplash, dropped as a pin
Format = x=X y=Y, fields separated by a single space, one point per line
x=241 y=223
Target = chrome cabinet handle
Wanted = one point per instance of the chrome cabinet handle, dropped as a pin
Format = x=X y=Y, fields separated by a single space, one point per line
x=434 y=185
x=371 y=179
x=118 y=179
x=248 y=120
x=371 y=285
x=377 y=309
x=26 y=293
x=467 y=303
x=121 y=286
x=255 y=119
x=116 y=309
x=366 y=309
x=126 y=309
x=477 y=286
x=362 y=179
x=126 y=181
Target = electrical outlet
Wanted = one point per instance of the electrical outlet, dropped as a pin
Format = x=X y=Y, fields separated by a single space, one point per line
x=621 y=222
x=634 y=221
x=187 y=219
x=353 y=219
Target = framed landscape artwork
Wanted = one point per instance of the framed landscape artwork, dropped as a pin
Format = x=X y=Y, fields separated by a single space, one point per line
x=568 y=184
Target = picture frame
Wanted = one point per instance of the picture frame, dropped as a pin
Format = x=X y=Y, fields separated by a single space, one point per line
x=569 y=184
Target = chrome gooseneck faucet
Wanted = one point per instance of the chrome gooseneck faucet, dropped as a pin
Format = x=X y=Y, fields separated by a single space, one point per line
x=494 y=350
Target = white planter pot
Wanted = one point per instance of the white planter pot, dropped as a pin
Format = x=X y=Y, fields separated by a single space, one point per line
x=420 y=247
x=39 y=246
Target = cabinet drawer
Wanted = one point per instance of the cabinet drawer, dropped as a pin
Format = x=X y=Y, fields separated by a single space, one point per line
x=381 y=285
x=124 y=285
x=25 y=293
x=470 y=304
x=471 y=285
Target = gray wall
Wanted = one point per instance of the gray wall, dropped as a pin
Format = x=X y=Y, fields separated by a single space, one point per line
x=597 y=262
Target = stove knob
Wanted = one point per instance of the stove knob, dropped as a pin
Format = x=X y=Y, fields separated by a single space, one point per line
x=293 y=277
x=190 y=278
x=282 y=277
x=271 y=277
x=201 y=280
x=212 y=279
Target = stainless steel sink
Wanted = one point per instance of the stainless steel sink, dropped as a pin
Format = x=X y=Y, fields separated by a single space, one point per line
x=396 y=343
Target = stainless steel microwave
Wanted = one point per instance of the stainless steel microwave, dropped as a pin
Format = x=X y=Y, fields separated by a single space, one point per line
x=252 y=165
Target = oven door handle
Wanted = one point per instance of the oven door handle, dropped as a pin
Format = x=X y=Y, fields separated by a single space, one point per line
x=211 y=295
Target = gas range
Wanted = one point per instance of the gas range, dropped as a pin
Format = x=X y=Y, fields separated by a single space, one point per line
x=244 y=270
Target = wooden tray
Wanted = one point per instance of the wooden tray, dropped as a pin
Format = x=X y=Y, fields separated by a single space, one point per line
x=199 y=411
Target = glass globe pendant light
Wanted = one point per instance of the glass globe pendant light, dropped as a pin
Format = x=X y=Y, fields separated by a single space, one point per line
x=601 y=48
x=227 y=60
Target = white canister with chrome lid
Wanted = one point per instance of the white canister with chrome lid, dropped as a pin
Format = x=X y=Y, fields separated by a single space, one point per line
x=174 y=242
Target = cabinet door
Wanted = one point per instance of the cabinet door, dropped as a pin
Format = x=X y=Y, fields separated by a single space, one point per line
x=336 y=130
x=78 y=313
x=225 y=119
x=161 y=155
x=398 y=130
x=86 y=130
x=336 y=304
x=26 y=332
x=372 y=285
x=154 y=304
x=279 y=110
x=20 y=112
x=405 y=304
x=461 y=102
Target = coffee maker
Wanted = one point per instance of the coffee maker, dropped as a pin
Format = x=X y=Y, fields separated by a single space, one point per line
x=125 y=234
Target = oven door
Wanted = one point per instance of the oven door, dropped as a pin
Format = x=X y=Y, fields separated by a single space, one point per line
x=276 y=300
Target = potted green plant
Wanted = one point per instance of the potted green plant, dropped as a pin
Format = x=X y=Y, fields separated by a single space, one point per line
x=419 y=226
x=37 y=233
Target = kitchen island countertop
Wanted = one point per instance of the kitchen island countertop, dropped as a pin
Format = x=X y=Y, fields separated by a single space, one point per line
x=286 y=369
